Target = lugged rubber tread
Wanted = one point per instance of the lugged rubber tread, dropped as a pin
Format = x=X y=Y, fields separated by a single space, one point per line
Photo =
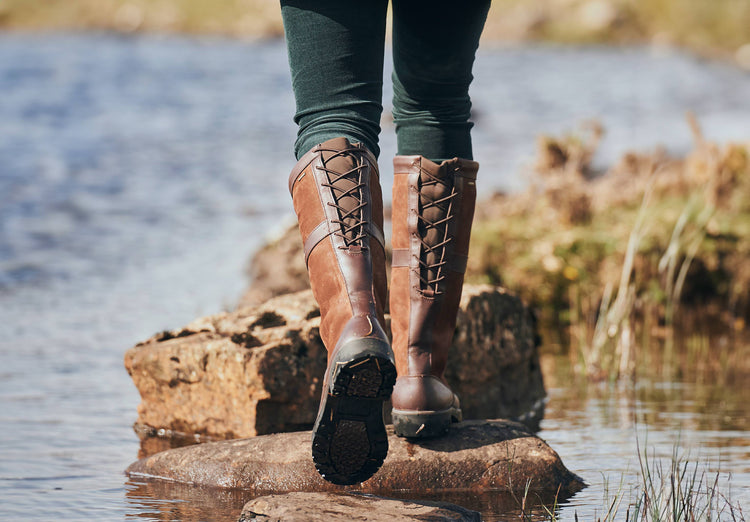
x=349 y=438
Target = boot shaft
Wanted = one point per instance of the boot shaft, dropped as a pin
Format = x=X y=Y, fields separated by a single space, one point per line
x=433 y=209
x=336 y=192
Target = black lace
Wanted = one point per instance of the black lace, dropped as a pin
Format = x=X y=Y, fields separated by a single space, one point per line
x=353 y=227
x=429 y=284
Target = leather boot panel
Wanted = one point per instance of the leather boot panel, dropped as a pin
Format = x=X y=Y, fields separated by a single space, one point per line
x=361 y=327
x=423 y=317
x=425 y=393
x=377 y=249
x=379 y=281
x=317 y=235
x=336 y=193
x=445 y=322
x=337 y=198
x=405 y=164
x=465 y=214
x=356 y=269
x=376 y=197
x=433 y=207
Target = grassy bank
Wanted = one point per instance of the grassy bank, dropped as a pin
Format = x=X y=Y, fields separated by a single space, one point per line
x=707 y=26
x=674 y=490
x=654 y=247
x=643 y=266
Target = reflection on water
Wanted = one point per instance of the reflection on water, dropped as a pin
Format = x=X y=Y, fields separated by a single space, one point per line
x=598 y=429
x=138 y=174
x=158 y=500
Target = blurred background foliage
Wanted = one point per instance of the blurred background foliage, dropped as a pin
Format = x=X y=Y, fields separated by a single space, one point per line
x=710 y=27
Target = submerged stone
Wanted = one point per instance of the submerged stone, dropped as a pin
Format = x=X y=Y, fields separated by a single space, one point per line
x=304 y=507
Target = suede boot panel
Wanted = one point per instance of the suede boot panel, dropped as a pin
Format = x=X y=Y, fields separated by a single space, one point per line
x=307 y=203
x=400 y=305
x=330 y=291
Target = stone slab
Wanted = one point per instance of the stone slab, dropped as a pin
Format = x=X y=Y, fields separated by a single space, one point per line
x=324 y=507
x=474 y=455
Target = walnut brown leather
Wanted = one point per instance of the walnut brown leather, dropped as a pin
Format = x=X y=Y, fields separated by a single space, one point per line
x=336 y=192
x=433 y=209
x=348 y=278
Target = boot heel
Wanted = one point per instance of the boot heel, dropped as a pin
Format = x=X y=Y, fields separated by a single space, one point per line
x=349 y=438
x=424 y=425
x=363 y=368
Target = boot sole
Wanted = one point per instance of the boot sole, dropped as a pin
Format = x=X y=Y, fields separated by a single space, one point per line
x=349 y=438
x=424 y=425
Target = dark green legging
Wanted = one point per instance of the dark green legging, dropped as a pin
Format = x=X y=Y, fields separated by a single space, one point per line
x=336 y=52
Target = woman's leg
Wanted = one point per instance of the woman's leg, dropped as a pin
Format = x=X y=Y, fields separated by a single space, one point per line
x=433 y=202
x=434 y=43
x=336 y=58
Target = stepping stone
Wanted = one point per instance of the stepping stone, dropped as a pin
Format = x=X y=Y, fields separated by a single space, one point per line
x=474 y=455
x=312 y=507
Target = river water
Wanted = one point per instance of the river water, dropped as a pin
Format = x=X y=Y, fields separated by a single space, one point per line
x=137 y=176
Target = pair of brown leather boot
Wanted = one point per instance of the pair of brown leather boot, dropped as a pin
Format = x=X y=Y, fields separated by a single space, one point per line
x=338 y=201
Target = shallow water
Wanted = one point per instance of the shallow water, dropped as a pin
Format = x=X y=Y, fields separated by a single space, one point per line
x=137 y=175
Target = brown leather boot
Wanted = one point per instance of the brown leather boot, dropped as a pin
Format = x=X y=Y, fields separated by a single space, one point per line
x=337 y=198
x=433 y=207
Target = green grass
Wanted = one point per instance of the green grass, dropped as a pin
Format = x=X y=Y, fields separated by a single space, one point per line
x=706 y=26
x=618 y=270
x=668 y=490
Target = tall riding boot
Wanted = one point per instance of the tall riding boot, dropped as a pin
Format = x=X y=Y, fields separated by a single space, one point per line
x=337 y=198
x=433 y=208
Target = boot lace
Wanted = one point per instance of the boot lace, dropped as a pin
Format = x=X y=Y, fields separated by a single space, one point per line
x=344 y=185
x=433 y=256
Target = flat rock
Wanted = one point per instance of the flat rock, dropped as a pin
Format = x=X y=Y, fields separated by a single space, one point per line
x=259 y=369
x=304 y=507
x=474 y=455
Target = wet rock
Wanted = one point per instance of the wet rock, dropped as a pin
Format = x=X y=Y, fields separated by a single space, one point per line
x=493 y=364
x=258 y=370
x=474 y=455
x=239 y=374
x=277 y=268
x=311 y=507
